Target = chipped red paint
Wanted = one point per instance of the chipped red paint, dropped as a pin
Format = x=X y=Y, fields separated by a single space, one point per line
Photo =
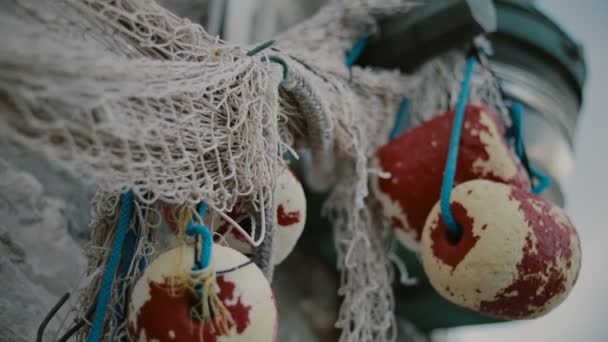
x=287 y=218
x=416 y=161
x=453 y=253
x=539 y=278
x=164 y=313
x=239 y=311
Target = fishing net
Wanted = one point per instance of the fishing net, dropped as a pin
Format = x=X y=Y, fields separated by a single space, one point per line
x=131 y=97
x=142 y=244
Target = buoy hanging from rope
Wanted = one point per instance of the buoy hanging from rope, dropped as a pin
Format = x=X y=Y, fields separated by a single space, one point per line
x=518 y=256
x=289 y=221
x=415 y=161
x=164 y=307
x=290 y=203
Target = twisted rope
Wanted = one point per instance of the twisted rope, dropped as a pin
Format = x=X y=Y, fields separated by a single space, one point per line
x=454 y=230
x=126 y=210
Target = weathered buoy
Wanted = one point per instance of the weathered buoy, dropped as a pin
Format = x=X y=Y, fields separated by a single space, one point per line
x=156 y=313
x=518 y=258
x=289 y=220
x=416 y=159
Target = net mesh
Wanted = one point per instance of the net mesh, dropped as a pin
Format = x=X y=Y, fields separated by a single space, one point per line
x=127 y=95
x=438 y=86
x=361 y=103
x=144 y=225
x=141 y=100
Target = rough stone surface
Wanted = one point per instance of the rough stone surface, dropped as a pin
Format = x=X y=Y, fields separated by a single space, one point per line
x=40 y=259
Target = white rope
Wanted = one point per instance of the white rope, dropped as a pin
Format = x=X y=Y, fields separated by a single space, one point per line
x=128 y=95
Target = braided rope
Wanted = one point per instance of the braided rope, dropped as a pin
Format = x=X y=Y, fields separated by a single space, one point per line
x=126 y=210
x=450 y=167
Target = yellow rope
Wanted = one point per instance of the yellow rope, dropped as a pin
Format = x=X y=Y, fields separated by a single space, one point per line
x=211 y=311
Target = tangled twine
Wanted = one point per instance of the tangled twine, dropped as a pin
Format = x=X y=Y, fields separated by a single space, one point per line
x=127 y=95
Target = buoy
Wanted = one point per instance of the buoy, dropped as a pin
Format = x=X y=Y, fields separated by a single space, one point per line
x=289 y=220
x=414 y=163
x=518 y=258
x=159 y=313
x=290 y=203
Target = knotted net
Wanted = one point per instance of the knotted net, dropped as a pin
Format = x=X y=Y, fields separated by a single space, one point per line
x=125 y=94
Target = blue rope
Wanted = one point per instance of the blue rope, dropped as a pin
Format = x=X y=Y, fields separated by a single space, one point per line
x=400 y=118
x=450 y=167
x=199 y=229
x=126 y=210
x=516 y=116
x=356 y=51
x=543 y=181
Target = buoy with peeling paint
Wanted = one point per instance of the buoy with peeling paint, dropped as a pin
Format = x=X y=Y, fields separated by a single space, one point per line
x=289 y=220
x=518 y=258
x=157 y=314
x=415 y=162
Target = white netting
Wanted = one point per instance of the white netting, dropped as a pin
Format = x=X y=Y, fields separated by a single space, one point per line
x=361 y=104
x=439 y=84
x=141 y=245
x=140 y=100
x=130 y=96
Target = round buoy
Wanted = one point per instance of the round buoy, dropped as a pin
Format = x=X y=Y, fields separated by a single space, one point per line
x=518 y=257
x=289 y=220
x=158 y=314
x=414 y=163
x=290 y=203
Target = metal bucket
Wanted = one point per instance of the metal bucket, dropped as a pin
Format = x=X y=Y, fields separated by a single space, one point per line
x=539 y=65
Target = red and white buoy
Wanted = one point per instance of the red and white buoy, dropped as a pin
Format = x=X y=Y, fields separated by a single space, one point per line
x=415 y=162
x=156 y=314
x=519 y=255
x=289 y=220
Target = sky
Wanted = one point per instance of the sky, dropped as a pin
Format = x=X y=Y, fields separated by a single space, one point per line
x=582 y=317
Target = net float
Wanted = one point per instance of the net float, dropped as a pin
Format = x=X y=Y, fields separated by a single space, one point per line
x=414 y=163
x=289 y=220
x=159 y=310
x=518 y=256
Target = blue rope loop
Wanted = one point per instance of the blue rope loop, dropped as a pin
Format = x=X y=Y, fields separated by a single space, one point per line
x=105 y=292
x=517 y=134
x=202 y=231
x=356 y=51
x=453 y=229
x=202 y=262
x=400 y=118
